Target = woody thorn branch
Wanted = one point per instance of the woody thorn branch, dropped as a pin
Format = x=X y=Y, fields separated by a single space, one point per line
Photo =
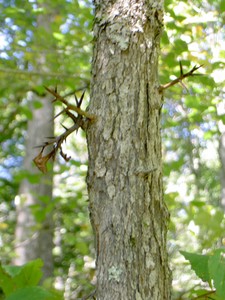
x=180 y=78
x=80 y=120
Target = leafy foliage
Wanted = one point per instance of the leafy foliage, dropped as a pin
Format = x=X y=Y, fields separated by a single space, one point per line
x=191 y=127
x=67 y=55
x=20 y=282
x=192 y=121
x=210 y=268
x=33 y=293
x=199 y=264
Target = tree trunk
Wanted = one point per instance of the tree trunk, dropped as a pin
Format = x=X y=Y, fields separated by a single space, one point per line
x=127 y=211
x=222 y=160
x=34 y=238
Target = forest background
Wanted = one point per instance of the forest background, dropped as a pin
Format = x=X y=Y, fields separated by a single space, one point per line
x=193 y=135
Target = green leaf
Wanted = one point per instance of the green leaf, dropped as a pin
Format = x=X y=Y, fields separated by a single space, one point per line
x=17 y=277
x=208 y=135
x=192 y=102
x=58 y=36
x=30 y=274
x=38 y=212
x=38 y=10
x=37 y=104
x=216 y=265
x=27 y=112
x=34 y=178
x=171 y=59
x=33 y=293
x=13 y=270
x=180 y=46
x=203 y=294
x=40 y=90
x=197 y=203
x=199 y=264
x=165 y=39
x=222 y=6
x=6 y=282
x=44 y=198
x=82 y=247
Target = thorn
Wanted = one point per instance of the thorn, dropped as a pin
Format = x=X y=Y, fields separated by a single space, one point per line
x=71 y=116
x=65 y=156
x=56 y=89
x=195 y=68
x=64 y=127
x=40 y=146
x=184 y=86
x=61 y=112
x=77 y=103
x=54 y=154
x=47 y=89
x=181 y=68
x=50 y=137
x=199 y=74
x=81 y=99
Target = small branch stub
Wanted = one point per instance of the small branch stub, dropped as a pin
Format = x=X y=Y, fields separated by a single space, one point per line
x=80 y=119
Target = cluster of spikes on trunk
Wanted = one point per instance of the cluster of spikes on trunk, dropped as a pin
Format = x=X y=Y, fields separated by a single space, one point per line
x=80 y=119
x=83 y=118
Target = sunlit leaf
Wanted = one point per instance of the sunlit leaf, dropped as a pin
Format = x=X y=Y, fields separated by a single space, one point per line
x=199 y=264
x=217 y=271
x=33 y=293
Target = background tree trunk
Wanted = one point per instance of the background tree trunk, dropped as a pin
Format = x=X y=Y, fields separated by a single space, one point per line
x=222 y=160
x=34 y=229
x=127 y=211
x=34 y=238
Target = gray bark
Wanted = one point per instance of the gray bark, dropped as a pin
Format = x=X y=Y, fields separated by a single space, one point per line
x=222 y=160
x=127 y=211
x=34 y=239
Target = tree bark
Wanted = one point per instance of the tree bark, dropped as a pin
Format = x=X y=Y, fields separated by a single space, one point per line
x=34 y=238
x=222 y=160
x=124 y=179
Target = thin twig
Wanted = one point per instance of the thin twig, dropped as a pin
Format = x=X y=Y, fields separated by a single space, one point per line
x=80 y=121
x=37 y=73
x=180 y=78
x=204 y=295
x=61 y=138
x=69 y=106
x=89 y=295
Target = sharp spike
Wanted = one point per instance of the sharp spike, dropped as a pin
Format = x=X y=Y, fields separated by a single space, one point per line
x=77 y=103
x=183 y=85
x=197 y=74
x=81 y=99
x=64 y=127
x=61 y=112
x=40 y=146
x=50 y=91
x=47 y=89
x=71 y=116
x=181 y=68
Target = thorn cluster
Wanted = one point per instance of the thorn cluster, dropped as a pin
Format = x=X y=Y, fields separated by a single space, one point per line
x=181 y=77
x=80 y=120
